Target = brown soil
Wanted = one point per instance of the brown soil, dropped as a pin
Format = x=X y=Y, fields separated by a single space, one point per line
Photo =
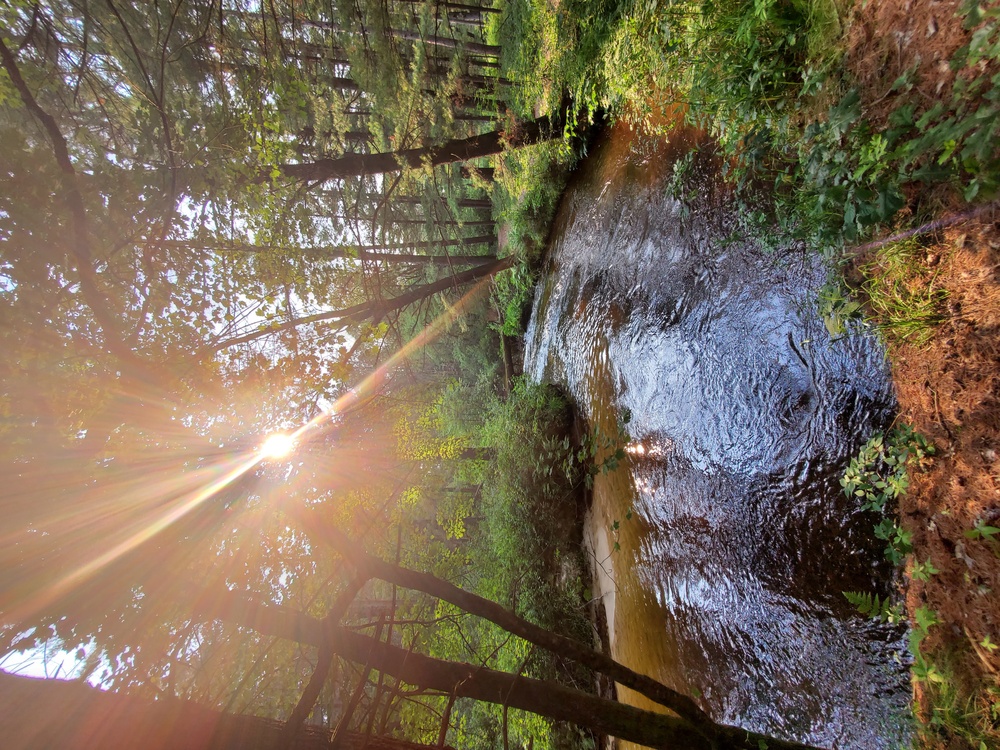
x=886 y=40
x=949 y=390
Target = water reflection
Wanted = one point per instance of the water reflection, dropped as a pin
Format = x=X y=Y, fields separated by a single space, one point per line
x=730 y=570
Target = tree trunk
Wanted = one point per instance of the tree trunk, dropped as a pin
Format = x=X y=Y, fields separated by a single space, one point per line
x=461 y=202
x=64 y=715
x=392 y=222
x=475 y=48
x=375 y=309
x=495 y=613
x=358 y=253
x=461 y=149
x=542 y=697
x=483 y=239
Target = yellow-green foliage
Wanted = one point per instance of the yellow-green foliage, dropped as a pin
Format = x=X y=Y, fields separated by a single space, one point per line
x=419 y=437
x=452 y=510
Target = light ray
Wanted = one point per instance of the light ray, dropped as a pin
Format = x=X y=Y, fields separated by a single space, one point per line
x=178 y=511
x=363 y=390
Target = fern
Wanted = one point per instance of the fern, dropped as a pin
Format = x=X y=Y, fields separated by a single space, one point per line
x=870 y=605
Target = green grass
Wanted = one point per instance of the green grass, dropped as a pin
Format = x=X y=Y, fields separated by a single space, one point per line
x=970 y=712
x=902 y=294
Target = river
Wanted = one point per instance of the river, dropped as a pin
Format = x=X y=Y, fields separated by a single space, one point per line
x=722 y=546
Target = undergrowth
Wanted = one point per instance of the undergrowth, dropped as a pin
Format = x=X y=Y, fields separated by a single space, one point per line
x=902 y=294
x=877 y=477
x=879 y=474
x=767 y=78
x=526 y=542
x=526 y=194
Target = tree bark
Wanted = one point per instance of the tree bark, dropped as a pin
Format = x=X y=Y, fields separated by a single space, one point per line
x=375 y=309
x=359 y=253
x=461 y=149
x=541 y=697
x=445 y=223
x=47 y=714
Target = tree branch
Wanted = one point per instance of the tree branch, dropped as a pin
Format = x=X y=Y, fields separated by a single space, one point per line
x=324 y=663
x=506 y=619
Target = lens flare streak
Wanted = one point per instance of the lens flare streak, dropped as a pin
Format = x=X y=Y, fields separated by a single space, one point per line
x=290 y=441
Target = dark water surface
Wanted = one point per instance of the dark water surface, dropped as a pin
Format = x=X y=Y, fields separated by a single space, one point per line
x=739 y=542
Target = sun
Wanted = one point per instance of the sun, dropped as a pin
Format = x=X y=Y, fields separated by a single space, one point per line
x=277 y=445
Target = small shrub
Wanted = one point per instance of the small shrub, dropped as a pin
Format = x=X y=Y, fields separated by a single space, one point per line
x=878 y=475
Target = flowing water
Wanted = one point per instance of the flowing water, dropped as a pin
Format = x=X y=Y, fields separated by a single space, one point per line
x=724 y=545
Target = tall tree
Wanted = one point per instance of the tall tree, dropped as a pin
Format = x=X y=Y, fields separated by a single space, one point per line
x=91 y=718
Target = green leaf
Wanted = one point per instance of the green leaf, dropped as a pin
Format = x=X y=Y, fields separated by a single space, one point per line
x=982 y=531
x=925 y=618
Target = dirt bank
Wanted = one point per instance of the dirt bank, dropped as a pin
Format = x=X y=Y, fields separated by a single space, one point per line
x=948 y=387
x=949 y=390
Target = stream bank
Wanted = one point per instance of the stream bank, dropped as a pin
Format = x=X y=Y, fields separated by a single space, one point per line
x=948 y=387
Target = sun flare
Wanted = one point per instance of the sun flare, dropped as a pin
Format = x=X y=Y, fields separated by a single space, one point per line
x=277 y=445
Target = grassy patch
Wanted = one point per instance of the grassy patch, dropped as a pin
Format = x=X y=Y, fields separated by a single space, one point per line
x=970 y=712
x=902 y=294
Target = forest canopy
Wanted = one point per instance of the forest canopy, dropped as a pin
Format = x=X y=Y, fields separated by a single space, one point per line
x=220 y=220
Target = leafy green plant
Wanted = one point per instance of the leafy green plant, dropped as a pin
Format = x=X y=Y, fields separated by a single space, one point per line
x=878 y=475
x=871 y=606
x=616 y=527
x=837 y=308
x=526 y=194
x=982 y=531
x=923 y=571
x=513 y=291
